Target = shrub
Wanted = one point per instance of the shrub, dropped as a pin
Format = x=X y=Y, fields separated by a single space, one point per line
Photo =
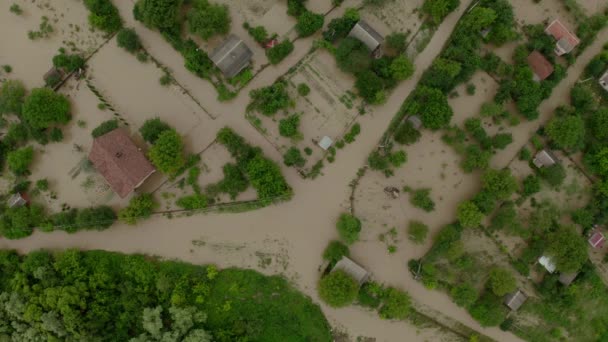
x=401 y=68
x=348 y=227
x=105 y=127
x=491 y=110
x=432 y=106
x=278 y=52
x=303 y=89
x=295 y=7
x=469 y=215
x=309 y=23
x=488 y=310
x=56 y=135
x=258 y=33
x=269 y=100
x=370 y=295
x=531 y=185
x=67 y=62
x=339 y=28
x=352 y=133
x=43 y=107
x=104 y=15
x=12 y=95
x=554 y=175
x=99 y=218
x=370 y=86
x=396 y=304
x=464 y=295
x=128 y=39
x=338 y=289
x=193 y=202
x=502 y=140
x=501 y=281
x=421 y=198
x=16 y=9
x=567 y=132
x=140 y=207
x=152 y=128
x=289 y=127
x=19 y=222
x=397 y=158
x=167 y=153
x=42 y=184
x=439 y=9
x=293 y=157
x=525 y=154
x=475 y=158
x=499 y=183
x=567 y=248
x=19 y=160
x=334 y=251
x=206 y=19
x=406 y=134
x=417 y=232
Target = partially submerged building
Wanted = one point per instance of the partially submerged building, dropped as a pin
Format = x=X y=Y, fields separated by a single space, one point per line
x=232 y=56
x=566 y=41
x=515 y=300
x=120 y=162
x=604 y=81
x=325 y=143
x=352 y=269
x=17 y=200
x=547 y=263
x=367 y=35
x=544 y=158
x=540 y=66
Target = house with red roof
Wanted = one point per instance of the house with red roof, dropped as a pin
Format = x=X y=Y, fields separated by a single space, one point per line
x=120 y=161
x=566 y=41
x=597 y=240
x=540 y=66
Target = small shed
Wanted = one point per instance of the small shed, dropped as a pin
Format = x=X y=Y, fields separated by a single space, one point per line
x=415 y=121
x=567 y=278
x=604 y=81
x=17 y=200
x=366 y=34
x=515 y=300
x=232 y=56
x=566 y=41
x=596 y=240
x=352 y=269
x=544 y=158
x=325 y=143
x=547 y=263
x=540 y=66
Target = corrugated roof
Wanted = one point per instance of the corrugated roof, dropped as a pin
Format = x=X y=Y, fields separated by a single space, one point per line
x=515 y=300
x=232 y=56
x=352 y=269
x=543 y=158
x=366 y=34
x=541 y=67
x=120 y=162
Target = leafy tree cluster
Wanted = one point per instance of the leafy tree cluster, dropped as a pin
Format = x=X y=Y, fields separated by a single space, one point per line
x=207 y=19
x=263 y=174
x=193 y=202
x=233 y=183
x=278 y=52
x=269 y=100
x=417 y=232
x=258 y=33
x=104 y=15
x=293 y=157
x=338 y=289
x=104 y=127
x=288 y=127
x=309 y=23
x=44 y=108
x=437 y=10
x=488 y=310
x=352 y=134
x=421 y=198
x=140 y=207
x=128 y=39
x=567 y=248
x=67 y=62
x=334 y=251
x=152 y=128
x=501 y=281
x=73 y=295
x=349 y=227
x=339 y=28
x=19 y=160
x=12 y=96
x=159 y=14
x=431 y=104
x=167 y=152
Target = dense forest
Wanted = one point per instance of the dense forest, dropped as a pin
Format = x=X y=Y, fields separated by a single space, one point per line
x=102 y=296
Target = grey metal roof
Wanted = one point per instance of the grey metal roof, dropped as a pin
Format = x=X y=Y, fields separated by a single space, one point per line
x=544 y=158
x=232 y=56
x=367 y=35
x=515 y=300
x=352 y=269
x=567 y=278
x=16 y=200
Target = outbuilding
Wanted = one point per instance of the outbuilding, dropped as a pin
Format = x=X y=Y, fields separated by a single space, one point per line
x=544 y=158
x=567 y=278
x=367 y=35
x=604 y=81
x=540 y=66
x=17 y=200
x=232 y=56
x=120 y=161
x=515 y=300
x=352 y=269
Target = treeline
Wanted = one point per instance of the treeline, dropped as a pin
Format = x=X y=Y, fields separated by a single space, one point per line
x=104 y=296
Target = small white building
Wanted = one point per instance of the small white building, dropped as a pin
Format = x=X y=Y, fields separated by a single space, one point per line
x=604 y=81
x=325 y=143
x=367 y=35
x=515 y=300
x=547 y=263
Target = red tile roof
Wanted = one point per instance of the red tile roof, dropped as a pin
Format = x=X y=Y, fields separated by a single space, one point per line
x=597 y=240
x=541 y=67
x=559 y=31
x=120 y=162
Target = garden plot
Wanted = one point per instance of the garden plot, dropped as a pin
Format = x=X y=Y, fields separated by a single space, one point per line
x=394 y=16
x=30 y=59
x=211 y=166
x=133 y=90
x=467 y=105
x=529 y=12
x=432 y=165
x=329 y=109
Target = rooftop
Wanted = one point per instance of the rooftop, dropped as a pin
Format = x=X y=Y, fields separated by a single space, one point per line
x=544 y=158
x=541 y=67
x=566 y=39
x=352 y=269
x=515 y=300
x=232 y=56
x=366 y=34
x=120 y=161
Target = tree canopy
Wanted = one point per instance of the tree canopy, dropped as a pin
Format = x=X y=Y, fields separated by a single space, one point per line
x=469 y=215
x=159 y=14
x=567 y=132
x=43 y=108
x=207 y=19
x=432 y=106
x=338 y=289
x=501 y=281
x=12 y=95
x=19 y=160
x=167 y=153
x=349 y=227
x=499 y=183
x=567 y=248
x=309 y=23
x=152 y=128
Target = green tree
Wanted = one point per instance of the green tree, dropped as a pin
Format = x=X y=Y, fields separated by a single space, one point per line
x=567 y=132
x=293 y=157
x=554 y=174
x=128 y=39
x=397 y=41
x=167 y=153
x=488 y=310
x=396 y=304
x=500 y=183
x=334 y=251
x=439 y=9
x=43 y=108
x=507 y=219
x=19 y=222
x=338 y=289
x=160 y=14
x=531 y=185
x=567 y=248
x=19 y=160
x=352 y=55
x=269 y=100
x=207 y=19
x=406 y=134
x=464 y=295
x=140 y=207
x=348 y=227
x=417 y=232
x=501 y=281
x=369 y=86
x=491 y=110
x=583 y=99
x=599 y=123
x=309 y=23
x=421 y=198
x=193 y=202
x=288 y=127
x=104 y=15
x=432 y=106
x=469 y=215
x=278 y=52
x=104 y=127
x=152 y=128
x=475 y=158
x=99 y=218
x=12 y=95
x=401 y=68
